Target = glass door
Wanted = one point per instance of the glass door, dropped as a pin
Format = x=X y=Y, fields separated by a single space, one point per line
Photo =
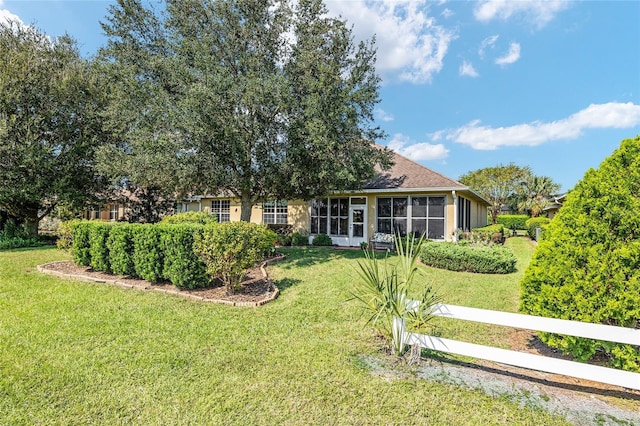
x=357 y=221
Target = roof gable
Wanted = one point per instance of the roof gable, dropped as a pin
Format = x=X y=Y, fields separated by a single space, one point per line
x=407 y=174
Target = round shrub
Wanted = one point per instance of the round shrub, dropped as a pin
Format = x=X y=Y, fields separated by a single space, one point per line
x=298 y=239
x=148 y=256
x=494 y=259
x=80 y=246
x=534 y=223
x=322 y=240
x=229 y=249
x=98 y=235
x=587 y=267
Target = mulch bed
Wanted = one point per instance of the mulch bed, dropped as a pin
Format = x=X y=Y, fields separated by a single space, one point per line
x=256 y=289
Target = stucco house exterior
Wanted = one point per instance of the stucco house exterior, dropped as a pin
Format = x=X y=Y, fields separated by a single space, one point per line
x=408 y=198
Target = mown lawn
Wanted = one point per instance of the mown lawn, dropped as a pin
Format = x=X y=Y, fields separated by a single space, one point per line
x=78 y=353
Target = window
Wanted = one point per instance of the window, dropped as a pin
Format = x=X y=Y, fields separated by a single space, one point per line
x=182 y=207
x=339 y=216
x=274 y=212
x=221 y=209
x=319 y=216
x=417 y=215
x=392 y=215
x=113 y=212
x=95 y=213
x=464 y=214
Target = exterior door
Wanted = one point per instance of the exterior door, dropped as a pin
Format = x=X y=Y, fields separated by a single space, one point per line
x=357 y=224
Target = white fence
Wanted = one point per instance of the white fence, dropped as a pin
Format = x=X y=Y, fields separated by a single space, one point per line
x=520 y=359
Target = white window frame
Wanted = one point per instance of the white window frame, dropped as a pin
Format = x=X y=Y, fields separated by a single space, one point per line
x=222 y=210
x=275 y=212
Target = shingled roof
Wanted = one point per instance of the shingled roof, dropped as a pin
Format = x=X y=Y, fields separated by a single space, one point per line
x=407 y=174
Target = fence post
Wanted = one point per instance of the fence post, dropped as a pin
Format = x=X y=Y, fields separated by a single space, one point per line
x=399 y=336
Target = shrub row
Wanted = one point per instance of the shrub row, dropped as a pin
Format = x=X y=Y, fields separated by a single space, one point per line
x=495 y=259
x=513 y=221
x=534 y=223
x=486 y=234
x=188 y=254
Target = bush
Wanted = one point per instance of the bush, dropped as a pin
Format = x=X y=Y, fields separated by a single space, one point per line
x=299 y=239
x=203 y=218
x=322 y=240
x=534 y=223
x=485 y=235
x=120 y=247
x=182 y=266
x=587 y=267
x=19 y=242
x=229 y=249
x=80 y=246
x=65 y=235
x=283 y=233
x=513 y=221
x=98 y=234
x=456 y=257
x=148 y=257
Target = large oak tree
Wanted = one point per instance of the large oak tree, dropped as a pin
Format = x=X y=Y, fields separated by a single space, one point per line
x=49 y=125
x=256 y=99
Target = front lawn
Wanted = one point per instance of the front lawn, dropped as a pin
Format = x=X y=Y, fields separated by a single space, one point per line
x=79 y=353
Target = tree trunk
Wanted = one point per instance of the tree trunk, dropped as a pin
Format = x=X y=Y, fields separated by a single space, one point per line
x=31 y=223
x=245 y=207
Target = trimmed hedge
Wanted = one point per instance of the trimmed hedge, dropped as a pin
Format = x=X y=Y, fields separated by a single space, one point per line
x=202 y=218
x=587 y=267
x=157 y=252
x=486 y=234
x=513 y=221
x=466 y=258
x=299 y=239
x=534 y=223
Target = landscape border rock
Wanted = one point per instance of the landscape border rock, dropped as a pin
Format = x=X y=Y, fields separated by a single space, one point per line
x=138 y=284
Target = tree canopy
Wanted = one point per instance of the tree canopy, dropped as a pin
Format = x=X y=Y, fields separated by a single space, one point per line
x=256 y=99
x=497 y=184
x=49 y=125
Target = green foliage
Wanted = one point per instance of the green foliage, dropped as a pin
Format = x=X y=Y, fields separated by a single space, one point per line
x=587 y=267
x=98 y=235
x=289 y=69
x=202 y=218
x=495 y=259
x=283 y=233
x=534 y=223
x=80 y=246
x=513 y=221
x=120 y=247
x=496 y=184
x=50 y=124
x=19 y=242
x=148 y=256
x=534 y=193
x=65 y=234
x=182 y=266
x=322 y=240
x=299 y=239
x=229 y=249
x=485 y=235
x=383 y=292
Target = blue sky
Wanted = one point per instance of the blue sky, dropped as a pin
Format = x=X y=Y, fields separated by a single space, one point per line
x=553 y=85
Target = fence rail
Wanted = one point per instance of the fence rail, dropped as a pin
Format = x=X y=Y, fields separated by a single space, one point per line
x=609 y=333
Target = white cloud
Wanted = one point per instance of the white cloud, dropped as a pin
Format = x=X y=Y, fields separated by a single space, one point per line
x=595 y=116
x=467 y=69
x=511 y=56
x=538 y=12
x=383 y=115
x=487 y=42
x=447 y=13
x=411 y=45
x=421 y=151
x=6 y=16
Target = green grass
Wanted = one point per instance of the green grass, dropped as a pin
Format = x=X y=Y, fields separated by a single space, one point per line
x=79 y=353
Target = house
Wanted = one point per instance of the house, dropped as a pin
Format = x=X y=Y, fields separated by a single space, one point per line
x=408 y=198
x=555 y=202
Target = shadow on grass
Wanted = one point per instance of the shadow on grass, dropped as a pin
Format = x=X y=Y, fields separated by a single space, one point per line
x=286 y=283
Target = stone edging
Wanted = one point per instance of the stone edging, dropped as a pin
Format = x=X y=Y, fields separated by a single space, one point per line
x=272 y=296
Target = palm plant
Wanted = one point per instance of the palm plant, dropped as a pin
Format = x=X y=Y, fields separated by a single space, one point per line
x=535 y=193
x=383 y=292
